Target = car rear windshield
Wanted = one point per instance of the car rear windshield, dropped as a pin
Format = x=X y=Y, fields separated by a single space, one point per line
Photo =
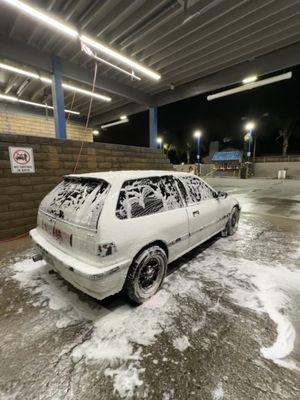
x=77 y=200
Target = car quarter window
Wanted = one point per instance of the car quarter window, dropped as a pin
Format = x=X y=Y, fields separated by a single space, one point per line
x=194 y=189
x=140 y=197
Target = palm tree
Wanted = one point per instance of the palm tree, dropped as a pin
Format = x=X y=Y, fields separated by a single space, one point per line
x=287 y=128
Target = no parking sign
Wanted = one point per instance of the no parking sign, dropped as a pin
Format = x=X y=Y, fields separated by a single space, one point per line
x=21 y=160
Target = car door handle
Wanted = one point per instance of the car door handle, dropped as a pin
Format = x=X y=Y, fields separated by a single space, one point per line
x=195 y=213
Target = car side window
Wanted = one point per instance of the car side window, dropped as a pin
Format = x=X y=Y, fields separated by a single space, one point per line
x=194 y=189
x=146 y=196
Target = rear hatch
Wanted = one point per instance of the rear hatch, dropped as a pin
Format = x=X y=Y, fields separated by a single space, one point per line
x=68 y=216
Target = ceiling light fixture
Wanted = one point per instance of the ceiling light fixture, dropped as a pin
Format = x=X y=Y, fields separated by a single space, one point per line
x=73 y=32
x=120 y=57
x=122 y=117
x=45 y=80
x=90 y=53
x=42 y=16
x=19 y=71
x=8 y=98
x=31 y=103
x=95 y=132
x=250 y=79
x=250 y=86
x=49 y=81
x=87 y=92
x=120 y=121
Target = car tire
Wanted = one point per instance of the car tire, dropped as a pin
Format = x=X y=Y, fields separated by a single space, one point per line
x=232 y=223
x=146 y=274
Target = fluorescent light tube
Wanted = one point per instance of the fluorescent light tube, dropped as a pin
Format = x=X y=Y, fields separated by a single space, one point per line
x=250 y=79
x=46 y=80
x=8 y=98
x=120 y=57
x=49 y=81
x=42 y=16
x=73 y=32
x=31 y=103
x=250 y=86
x=19 y=71
x=121 y=121
x=87 y=92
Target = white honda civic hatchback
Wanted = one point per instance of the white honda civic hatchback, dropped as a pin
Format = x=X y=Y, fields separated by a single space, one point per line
x=108 y=231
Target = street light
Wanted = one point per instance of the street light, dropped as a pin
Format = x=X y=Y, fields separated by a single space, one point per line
x=249 y=128
x=197 y=135
x=159 y=142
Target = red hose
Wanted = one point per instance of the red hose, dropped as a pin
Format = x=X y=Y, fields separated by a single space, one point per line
x=87 y=119
x=14 y=238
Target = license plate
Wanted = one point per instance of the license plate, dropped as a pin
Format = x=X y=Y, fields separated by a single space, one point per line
x=62 y=237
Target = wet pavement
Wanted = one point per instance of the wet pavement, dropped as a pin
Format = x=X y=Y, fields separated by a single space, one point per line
x=224 y=326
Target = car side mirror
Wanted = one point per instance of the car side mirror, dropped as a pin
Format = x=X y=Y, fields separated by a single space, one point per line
x=220 y=195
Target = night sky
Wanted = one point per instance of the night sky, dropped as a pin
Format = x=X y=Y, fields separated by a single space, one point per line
x=221 y=119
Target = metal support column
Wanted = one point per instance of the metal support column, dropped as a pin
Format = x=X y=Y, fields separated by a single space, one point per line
x=153 y=127
x=58 y=99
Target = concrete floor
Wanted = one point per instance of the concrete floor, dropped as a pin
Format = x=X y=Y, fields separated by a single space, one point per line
x=224 y=326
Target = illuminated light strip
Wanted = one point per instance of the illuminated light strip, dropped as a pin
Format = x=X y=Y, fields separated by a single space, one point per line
x=117 y=68
x=121 y=121
x=31 y=103
x=49 y=81
x=55 y=23
x=19 y=71
x=119 y=57
x=73 y=32
x=250 y=79
x=250 y=86
x=85 y=48
x=87 y=92
x=46 y=80
x=8 y=98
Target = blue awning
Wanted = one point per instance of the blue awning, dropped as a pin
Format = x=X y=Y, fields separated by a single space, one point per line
x=227 y=156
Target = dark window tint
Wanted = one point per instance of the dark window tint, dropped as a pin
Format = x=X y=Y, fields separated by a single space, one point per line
x=147 y=196
x=194 y=189
x=77 y=200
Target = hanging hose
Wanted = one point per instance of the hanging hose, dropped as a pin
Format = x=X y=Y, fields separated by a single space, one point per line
x=87 y=119
x=81 y=147
x=71 y=107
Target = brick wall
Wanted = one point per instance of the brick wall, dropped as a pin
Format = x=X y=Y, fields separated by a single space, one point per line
x=20 y=194
x=39 y=125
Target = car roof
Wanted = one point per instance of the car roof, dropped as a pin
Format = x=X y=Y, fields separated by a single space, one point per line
x=121 y=176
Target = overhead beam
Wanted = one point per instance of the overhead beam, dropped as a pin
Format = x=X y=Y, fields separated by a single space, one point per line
x=28 y=55
x=286 y=57
x=278 y=60
x=112 y=115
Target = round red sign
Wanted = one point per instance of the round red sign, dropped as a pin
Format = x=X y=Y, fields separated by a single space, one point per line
x=21 y=157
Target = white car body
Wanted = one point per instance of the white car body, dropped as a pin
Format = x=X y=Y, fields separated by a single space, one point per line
x=94 y=252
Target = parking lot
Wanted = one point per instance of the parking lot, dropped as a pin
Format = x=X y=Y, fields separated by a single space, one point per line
x=224 y=326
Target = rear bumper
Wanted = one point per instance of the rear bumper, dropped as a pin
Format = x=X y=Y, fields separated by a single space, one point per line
x=98 y=282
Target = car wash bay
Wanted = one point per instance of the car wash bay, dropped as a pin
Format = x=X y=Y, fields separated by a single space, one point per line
x=224 y=325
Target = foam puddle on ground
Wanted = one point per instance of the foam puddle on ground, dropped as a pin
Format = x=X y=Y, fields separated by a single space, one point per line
x=120 y=336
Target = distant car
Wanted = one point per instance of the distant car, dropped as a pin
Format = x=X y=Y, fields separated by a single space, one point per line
x=108 y=231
